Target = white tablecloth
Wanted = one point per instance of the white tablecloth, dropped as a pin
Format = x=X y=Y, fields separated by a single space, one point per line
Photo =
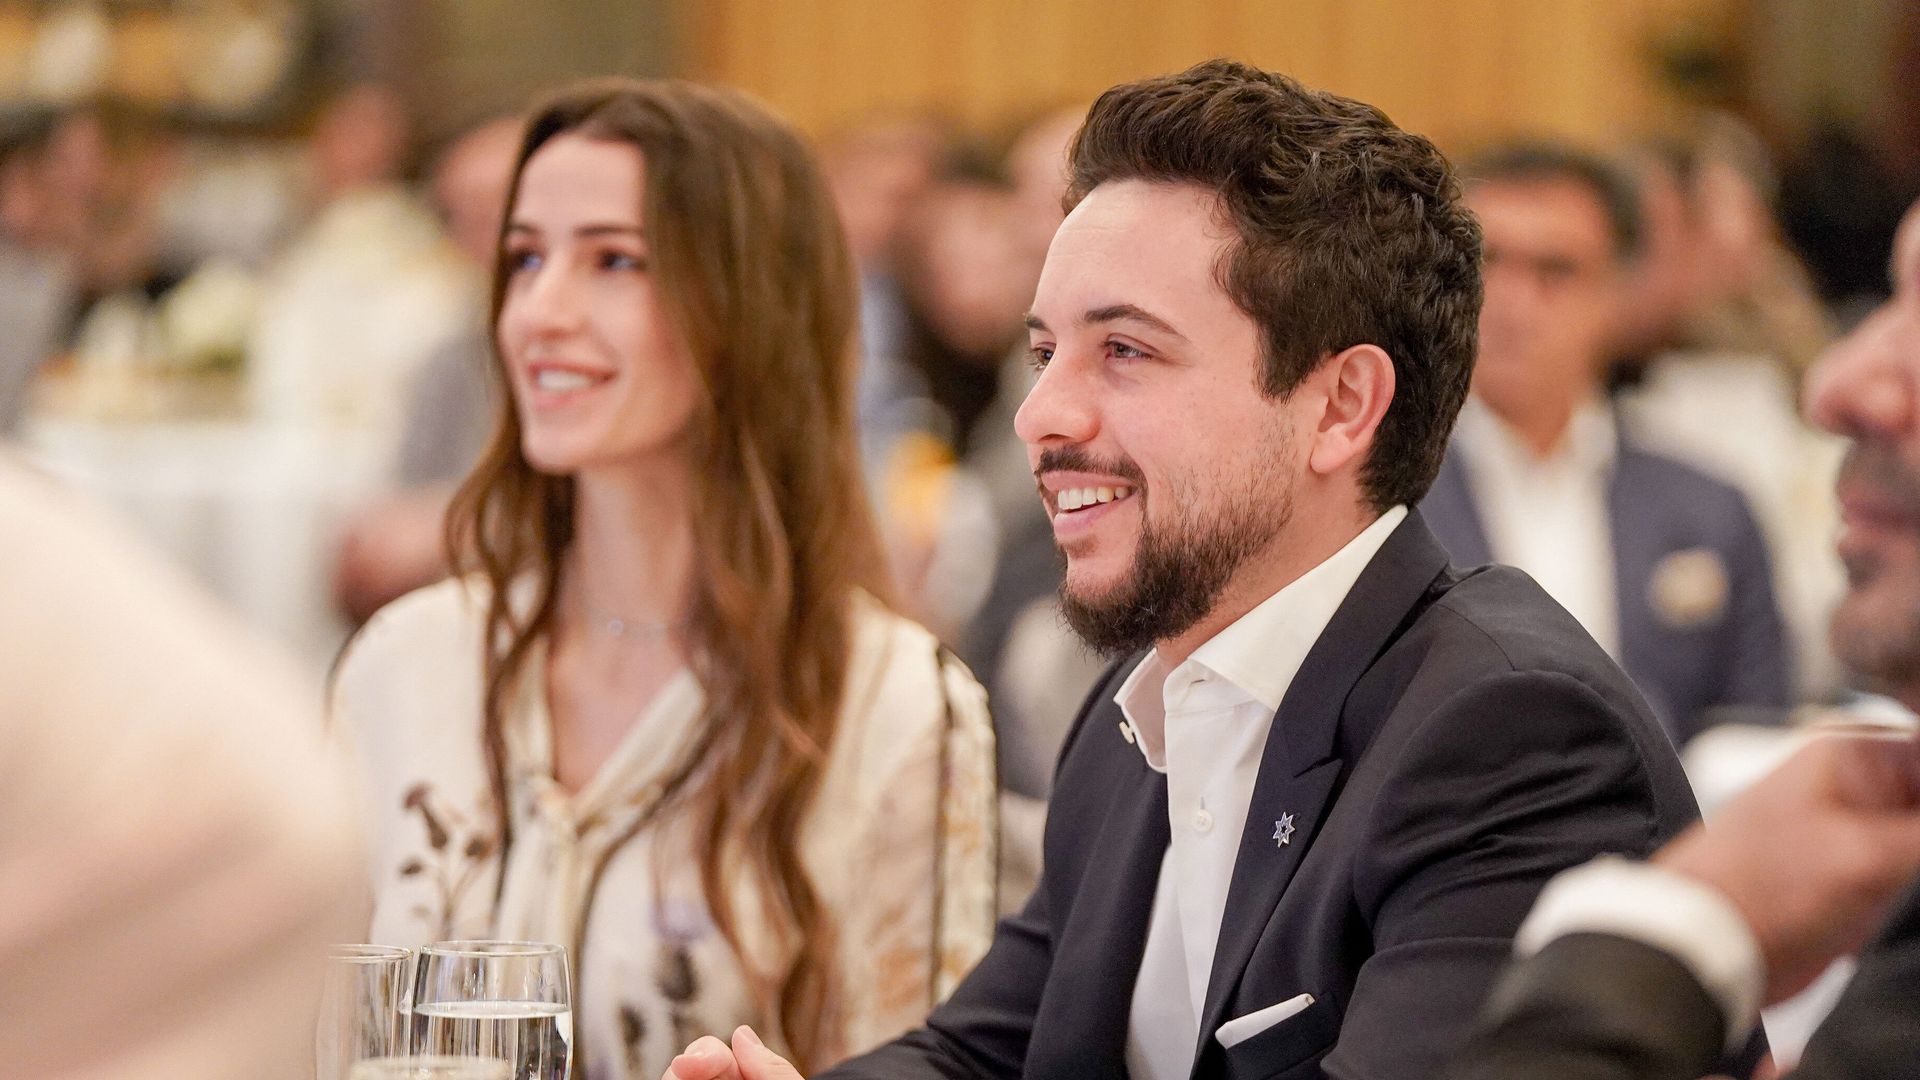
x=253 y=511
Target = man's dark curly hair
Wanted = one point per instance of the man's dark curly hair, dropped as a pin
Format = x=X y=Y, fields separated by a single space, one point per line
x=1349 y=230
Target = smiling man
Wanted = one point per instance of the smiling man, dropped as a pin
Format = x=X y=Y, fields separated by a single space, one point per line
x=1295 y=827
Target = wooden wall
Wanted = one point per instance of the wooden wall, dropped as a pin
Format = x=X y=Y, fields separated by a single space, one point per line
x=1455 y=69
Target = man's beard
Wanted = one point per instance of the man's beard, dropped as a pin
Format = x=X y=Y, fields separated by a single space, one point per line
x=1878 y=636
x=1179 y=569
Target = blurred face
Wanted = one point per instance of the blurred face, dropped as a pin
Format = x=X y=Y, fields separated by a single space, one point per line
x=1553 y=284
x=599 y=377
x=876 y=176
x=1162 y=464
x=973 y=274
x=1867 y=388
x=470 y=188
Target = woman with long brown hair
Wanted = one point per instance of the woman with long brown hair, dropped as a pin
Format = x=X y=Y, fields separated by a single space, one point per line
x=663 y=717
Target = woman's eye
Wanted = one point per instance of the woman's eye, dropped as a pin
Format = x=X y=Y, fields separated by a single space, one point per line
x=520 y=259
x=1040 y=356
x=621 y=260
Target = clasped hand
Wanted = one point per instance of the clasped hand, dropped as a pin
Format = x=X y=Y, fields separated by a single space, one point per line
x=747 y=1059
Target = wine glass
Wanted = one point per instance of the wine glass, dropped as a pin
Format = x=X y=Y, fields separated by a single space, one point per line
x=432 y=1067
x=496 y=999
x=361 y=1005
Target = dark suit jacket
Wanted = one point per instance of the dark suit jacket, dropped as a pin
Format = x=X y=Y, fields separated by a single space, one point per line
x=1598 y=1007
x=1659 y=509
x=1450 y=743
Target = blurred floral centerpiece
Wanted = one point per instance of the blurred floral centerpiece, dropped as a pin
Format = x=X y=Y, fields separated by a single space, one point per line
x=204 y=321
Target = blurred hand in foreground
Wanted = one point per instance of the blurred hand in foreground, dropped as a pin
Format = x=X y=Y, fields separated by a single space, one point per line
x=747 y=1059
x=1814 y=854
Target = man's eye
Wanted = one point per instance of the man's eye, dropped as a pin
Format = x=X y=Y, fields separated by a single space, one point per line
x=1124 y=351
x=1040 y=356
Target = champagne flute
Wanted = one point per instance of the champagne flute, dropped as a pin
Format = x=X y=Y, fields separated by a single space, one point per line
x=432 y=1067
x=496 y=999
x=360 y=1008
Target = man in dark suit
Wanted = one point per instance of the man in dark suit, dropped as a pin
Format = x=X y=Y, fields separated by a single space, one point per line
x=1664 y=565
x=1645 y=971
x=1295 y=828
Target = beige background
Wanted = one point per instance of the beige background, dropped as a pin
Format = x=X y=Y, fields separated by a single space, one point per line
x=1456 y=69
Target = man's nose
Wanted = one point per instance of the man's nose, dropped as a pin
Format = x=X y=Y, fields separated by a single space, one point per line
x=1861 y=386
x=1060 y=408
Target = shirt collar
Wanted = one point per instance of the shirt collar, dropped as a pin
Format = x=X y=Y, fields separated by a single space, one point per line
x=1256 y=656
x=1589 y=445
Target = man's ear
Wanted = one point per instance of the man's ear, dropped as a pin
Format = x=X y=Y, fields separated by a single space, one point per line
x=1359 y=387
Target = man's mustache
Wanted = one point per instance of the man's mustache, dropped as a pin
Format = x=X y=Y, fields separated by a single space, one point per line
x=1877 y=469
x=1079 y=459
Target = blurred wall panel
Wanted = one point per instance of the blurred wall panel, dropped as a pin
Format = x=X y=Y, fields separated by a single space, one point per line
x=477 y=58
x=1457 y=69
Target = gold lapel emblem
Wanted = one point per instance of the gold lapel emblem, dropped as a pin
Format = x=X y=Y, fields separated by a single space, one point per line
x=1688 y=589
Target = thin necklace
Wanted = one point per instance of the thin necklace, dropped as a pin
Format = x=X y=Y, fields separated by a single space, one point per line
x=633 y=629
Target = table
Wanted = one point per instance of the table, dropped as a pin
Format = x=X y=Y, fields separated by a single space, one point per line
x=254 y=511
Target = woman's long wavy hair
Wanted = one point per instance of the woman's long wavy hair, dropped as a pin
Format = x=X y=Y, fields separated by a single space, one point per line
x=747 y=254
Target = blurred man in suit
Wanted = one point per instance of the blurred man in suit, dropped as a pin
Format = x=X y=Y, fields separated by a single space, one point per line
x=1293 y=830
x=175 y=851
x=1642 y=972
x=1664 y=566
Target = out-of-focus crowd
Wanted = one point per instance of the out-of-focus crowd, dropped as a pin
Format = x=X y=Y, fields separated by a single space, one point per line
x=1647 y=317
x=321 y=318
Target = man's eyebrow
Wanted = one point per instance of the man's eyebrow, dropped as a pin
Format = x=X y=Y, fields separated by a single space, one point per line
x=1131 y=313
x=1113 y=313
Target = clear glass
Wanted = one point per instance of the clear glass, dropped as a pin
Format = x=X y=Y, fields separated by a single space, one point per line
x=362 y=1008
x=496 y=999
x=432 y=1067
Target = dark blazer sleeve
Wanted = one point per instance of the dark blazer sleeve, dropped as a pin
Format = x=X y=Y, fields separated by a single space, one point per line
x=1514 y=779
x=1601 y=1007
x=1595 y=1007
x=1873 y=1032
x=1759 y=666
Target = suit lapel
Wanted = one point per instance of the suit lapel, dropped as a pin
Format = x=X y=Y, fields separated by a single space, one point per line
x=1299 y=768
x=1105 y=934
x=1636 y=548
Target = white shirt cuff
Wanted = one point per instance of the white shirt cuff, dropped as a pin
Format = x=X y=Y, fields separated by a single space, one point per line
x=1681 y=917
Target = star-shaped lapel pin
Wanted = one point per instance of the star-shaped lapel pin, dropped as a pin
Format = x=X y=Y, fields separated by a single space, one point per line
x=1283 y=830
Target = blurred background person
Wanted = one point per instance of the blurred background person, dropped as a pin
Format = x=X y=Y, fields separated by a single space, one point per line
x=1644 y=971
x=175 y=850
x=1719 y=324
x=353 y=307
x=878 y=171
x=668 y=720
x=397 y=543
x=1663 y=565
x=39 y=285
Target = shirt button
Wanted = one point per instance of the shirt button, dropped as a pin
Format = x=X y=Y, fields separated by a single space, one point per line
x=1202 y=821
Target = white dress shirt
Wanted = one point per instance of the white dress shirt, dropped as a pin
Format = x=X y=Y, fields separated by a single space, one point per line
x=1204 y=724
x=1547 y=514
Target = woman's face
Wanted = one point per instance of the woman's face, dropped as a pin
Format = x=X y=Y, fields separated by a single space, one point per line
x=599 y=376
